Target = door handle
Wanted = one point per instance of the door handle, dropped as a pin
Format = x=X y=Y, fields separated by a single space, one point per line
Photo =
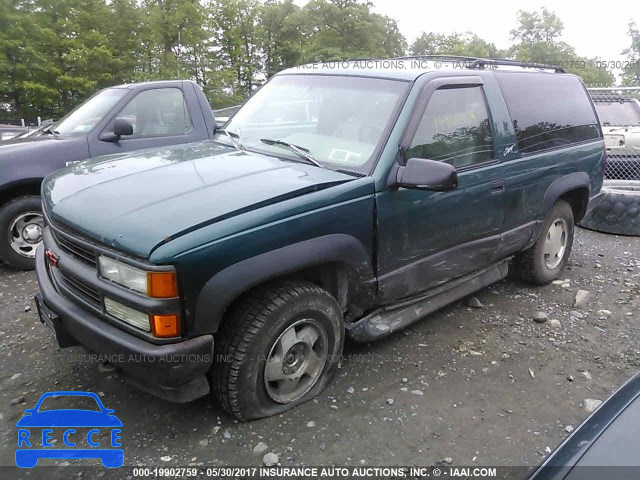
x=497 y=186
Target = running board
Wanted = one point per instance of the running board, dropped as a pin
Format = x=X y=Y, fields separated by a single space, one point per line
x=394 y=317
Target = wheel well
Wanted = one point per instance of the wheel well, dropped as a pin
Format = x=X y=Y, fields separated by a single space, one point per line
x=332 y=277
x=578 y=199
x=15 y=191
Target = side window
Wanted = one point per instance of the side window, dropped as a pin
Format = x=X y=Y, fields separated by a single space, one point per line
x=548 y=110
x=455 y=128
x=158 y=112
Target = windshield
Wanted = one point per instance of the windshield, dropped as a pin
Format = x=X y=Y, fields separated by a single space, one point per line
x=76 y=402
x=88 y=114
x=623 y=113
x=338 y=120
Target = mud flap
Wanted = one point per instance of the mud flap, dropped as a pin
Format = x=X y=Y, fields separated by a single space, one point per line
x=52 y=321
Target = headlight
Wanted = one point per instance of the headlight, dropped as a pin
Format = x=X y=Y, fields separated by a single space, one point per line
x=123 y=274
x=152 y=284
x=127 y=314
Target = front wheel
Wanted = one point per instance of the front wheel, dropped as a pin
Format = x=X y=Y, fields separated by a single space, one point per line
x=277 y=348
x=542 y=263
x=21 y=224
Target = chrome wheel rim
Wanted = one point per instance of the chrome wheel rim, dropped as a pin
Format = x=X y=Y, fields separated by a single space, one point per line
x=25 y=233
x=555 y=243
x=296 y=361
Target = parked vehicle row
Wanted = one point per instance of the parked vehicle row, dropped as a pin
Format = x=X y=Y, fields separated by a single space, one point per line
x=8 y=132
x=618 y=211
x=620 y=118
x=345 y=202
x=115 y=120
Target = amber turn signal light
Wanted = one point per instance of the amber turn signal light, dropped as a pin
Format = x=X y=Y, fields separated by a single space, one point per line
x=162 y=284
x=164 y=326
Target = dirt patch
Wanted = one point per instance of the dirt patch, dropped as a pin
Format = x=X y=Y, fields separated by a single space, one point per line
x=485 y=386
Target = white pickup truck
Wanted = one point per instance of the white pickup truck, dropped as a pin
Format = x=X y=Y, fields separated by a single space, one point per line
x=620 y=118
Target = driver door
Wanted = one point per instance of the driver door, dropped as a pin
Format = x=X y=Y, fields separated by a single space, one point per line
x=159 y=117
x=426 y=237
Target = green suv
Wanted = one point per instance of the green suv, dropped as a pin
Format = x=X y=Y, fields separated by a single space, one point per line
x=346 y=200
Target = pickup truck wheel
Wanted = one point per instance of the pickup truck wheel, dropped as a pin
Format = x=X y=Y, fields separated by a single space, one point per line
x=542 y=263
x=277 y=348
x=21 y=225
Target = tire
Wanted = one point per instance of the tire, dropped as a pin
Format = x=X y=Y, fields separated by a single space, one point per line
x=21 y=226
x=536 y=265
x=255 y=344
x=618 y=211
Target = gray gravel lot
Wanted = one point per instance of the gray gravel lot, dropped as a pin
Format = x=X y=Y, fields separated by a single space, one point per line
x=485 y=386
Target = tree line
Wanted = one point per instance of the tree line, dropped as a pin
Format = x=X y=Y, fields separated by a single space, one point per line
x=54 y=54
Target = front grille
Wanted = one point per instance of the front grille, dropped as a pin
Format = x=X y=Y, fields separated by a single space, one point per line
x=83 y=252
x=76 y=249
x=89 y=294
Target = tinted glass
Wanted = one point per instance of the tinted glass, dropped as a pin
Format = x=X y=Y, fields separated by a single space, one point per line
x=548 y=110
x=618 y=112
x=455 y=128
x=158 y=112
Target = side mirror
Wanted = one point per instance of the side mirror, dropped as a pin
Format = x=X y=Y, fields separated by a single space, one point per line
x=423 y=174
x=121 y=126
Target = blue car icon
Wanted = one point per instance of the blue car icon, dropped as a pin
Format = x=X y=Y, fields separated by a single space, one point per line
x=70 y=427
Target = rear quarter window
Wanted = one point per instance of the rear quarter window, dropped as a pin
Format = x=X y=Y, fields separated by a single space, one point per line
x=548 y=110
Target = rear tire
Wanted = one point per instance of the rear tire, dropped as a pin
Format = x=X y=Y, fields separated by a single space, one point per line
x=277 y=348
x=21 y=225
x=544 y=261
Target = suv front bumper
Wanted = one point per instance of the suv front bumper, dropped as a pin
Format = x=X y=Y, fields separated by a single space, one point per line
x=174 y=371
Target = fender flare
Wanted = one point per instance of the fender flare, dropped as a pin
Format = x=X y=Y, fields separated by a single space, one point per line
x=228 y=284
x=19 y=184
x=563 y=185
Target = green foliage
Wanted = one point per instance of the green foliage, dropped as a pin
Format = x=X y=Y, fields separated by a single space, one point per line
x=631 y=72
x=537 y=39
x=55 y=54
x=461 y=44
x=537 y=27
x=341 y=29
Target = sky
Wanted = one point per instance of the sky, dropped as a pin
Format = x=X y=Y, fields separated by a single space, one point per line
x=594 y=31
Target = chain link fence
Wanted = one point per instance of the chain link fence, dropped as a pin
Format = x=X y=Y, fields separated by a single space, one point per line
x=619 y=112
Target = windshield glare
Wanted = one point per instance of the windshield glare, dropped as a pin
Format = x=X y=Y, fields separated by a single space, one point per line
x=87 y=115
x=338 y=119
x=618 y=113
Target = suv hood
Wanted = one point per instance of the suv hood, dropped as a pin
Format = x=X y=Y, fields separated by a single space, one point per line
x=135 y=202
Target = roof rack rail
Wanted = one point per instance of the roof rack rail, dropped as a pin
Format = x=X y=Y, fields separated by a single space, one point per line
x=488 y=62
x=473 y=62
x=411 y=57
x=438 y=57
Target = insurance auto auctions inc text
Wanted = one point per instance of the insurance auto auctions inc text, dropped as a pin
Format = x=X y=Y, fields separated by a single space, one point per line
x=374 y=472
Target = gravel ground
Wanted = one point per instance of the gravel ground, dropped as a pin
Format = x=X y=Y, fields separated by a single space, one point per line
x=474 y=386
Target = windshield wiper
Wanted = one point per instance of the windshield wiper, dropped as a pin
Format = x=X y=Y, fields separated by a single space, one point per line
x=233 y=137
x=50 y=130
x=301 y=151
